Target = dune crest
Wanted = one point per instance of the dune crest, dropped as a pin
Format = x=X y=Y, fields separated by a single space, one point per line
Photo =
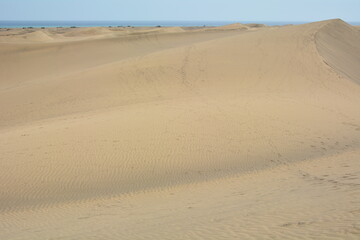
x=338 y=43
x=29 y=36
x=234 y=26
x=38 y=36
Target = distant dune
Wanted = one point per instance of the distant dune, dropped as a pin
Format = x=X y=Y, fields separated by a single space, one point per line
x=235 y=26
x=233 y=132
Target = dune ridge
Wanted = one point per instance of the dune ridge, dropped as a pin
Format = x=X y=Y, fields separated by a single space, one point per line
x=141 y=116
x=338 y=44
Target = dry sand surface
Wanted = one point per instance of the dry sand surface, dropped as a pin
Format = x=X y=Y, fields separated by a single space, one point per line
x=234 y=132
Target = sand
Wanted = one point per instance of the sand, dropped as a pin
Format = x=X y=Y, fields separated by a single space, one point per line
x=234 y=132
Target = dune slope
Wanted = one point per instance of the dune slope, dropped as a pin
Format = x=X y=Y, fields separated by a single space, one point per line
x=338 y=43
x=107 y=130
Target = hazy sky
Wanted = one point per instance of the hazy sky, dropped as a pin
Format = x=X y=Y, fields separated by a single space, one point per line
x=227 y=10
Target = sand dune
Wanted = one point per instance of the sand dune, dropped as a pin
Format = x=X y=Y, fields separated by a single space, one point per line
x=37 y=36
x=29 y=35
x=235 y=26
x=255 y=25
x=338 y=43
x=76 y=32
x=213 y=134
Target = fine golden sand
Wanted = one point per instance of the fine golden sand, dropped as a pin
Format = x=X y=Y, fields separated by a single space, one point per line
x=233 y=132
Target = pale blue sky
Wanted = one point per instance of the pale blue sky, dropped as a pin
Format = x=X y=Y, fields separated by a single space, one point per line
x=204 y=10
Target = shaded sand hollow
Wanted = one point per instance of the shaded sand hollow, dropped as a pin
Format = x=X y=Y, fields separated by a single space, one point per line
x=234 y=132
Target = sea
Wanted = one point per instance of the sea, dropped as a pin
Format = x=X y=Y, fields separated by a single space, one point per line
x=38 y=24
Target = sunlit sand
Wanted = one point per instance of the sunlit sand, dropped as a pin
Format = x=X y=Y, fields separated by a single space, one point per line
x=233 y=132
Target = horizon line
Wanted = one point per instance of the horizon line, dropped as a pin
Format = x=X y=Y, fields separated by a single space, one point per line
x=194 y=20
